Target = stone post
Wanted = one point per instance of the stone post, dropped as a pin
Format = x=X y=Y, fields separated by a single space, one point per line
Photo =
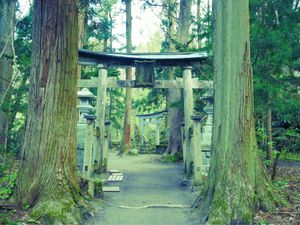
x=105 y=147
x=157 y=134
x=100 y=121
x=88 y=147
x=188 y=111
x=206 y=134
x=183 y=139
x=196 y=145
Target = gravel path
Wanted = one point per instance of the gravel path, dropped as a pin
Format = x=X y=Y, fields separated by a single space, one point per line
x=147 y=182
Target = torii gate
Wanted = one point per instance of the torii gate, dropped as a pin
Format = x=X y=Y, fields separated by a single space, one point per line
x=145 y=64
x=151 y=118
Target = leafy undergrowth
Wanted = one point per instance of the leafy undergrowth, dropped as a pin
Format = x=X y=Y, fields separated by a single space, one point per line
x=287 y=182
x=171 y=158
x=9 y=214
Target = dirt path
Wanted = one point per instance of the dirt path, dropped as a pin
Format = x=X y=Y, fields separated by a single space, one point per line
x=146 y=182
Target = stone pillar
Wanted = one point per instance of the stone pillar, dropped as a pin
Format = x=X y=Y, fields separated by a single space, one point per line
x=188 y=112
x=100 y=121
x=183 y=140
x=206 y=134
x=142 y=128
x=196 y=145
x=105 y=147
x=157 y=140
x=88 y=147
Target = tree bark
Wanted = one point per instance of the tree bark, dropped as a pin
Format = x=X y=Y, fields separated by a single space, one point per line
x=237 y=183
x=269 y=135
x=174 y=98
x=128 y=99
x=184 y=23
x=175 y=95
x=47 y=178
x=198 y=23
x=82 y=23
x=7 y=21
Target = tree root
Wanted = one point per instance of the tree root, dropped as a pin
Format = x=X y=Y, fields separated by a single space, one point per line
x=156 y=206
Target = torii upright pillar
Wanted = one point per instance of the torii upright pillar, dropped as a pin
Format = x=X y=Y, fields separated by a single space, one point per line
x=188 y=112
x=100 y=120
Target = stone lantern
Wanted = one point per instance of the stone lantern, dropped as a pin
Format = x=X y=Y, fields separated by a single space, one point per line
x=85 y=109
x=208 y=98
x=84 y=106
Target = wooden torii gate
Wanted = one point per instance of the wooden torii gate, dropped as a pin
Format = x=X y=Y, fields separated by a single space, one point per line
x=145 y=64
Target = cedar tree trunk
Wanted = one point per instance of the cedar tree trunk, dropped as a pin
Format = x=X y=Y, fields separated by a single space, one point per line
x=7 y=15
x=175 y=97
x=237 y=183
x=47 y=179
x=128 y=99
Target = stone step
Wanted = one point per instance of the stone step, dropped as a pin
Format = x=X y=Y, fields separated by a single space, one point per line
x=115 y=178
x=111 y=189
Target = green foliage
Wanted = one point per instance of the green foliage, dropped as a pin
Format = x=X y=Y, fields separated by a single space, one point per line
x=280 y=185
x=275 y=58
x=261 y=134
x=262 y=222
x=98 y=181
x=290 y=156
x=7 y=183
x=5 y=219
x=171 y=158
x=20 y=88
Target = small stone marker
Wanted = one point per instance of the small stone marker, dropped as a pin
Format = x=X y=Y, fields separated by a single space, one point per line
x=111 y=189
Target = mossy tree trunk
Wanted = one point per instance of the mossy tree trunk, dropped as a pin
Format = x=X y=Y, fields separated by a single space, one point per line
x=184 y=23
x=82 y=24
x=175 y=113
x=269 y=135
x=47 y=178
x=128 y=98
x=7 y=19
x=175 y=99
x=237 y=183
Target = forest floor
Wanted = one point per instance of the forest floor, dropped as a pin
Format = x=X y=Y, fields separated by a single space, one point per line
x=287 y=182
x=148 y=183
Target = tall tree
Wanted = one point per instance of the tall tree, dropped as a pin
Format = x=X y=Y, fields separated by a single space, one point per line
x=237 y=183
x=82 y=23
x=184 y=23
x=175 y=95
x=7 y=15
x=47 y=179
x=128 y=99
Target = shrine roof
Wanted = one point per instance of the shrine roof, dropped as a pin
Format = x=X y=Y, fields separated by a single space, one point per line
x=87 y=57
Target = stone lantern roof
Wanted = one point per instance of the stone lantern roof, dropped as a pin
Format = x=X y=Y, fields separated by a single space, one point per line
x=85 y=93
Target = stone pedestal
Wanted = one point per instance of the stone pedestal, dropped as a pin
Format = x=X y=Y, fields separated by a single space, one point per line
x=196 y=148
x=88 y=147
